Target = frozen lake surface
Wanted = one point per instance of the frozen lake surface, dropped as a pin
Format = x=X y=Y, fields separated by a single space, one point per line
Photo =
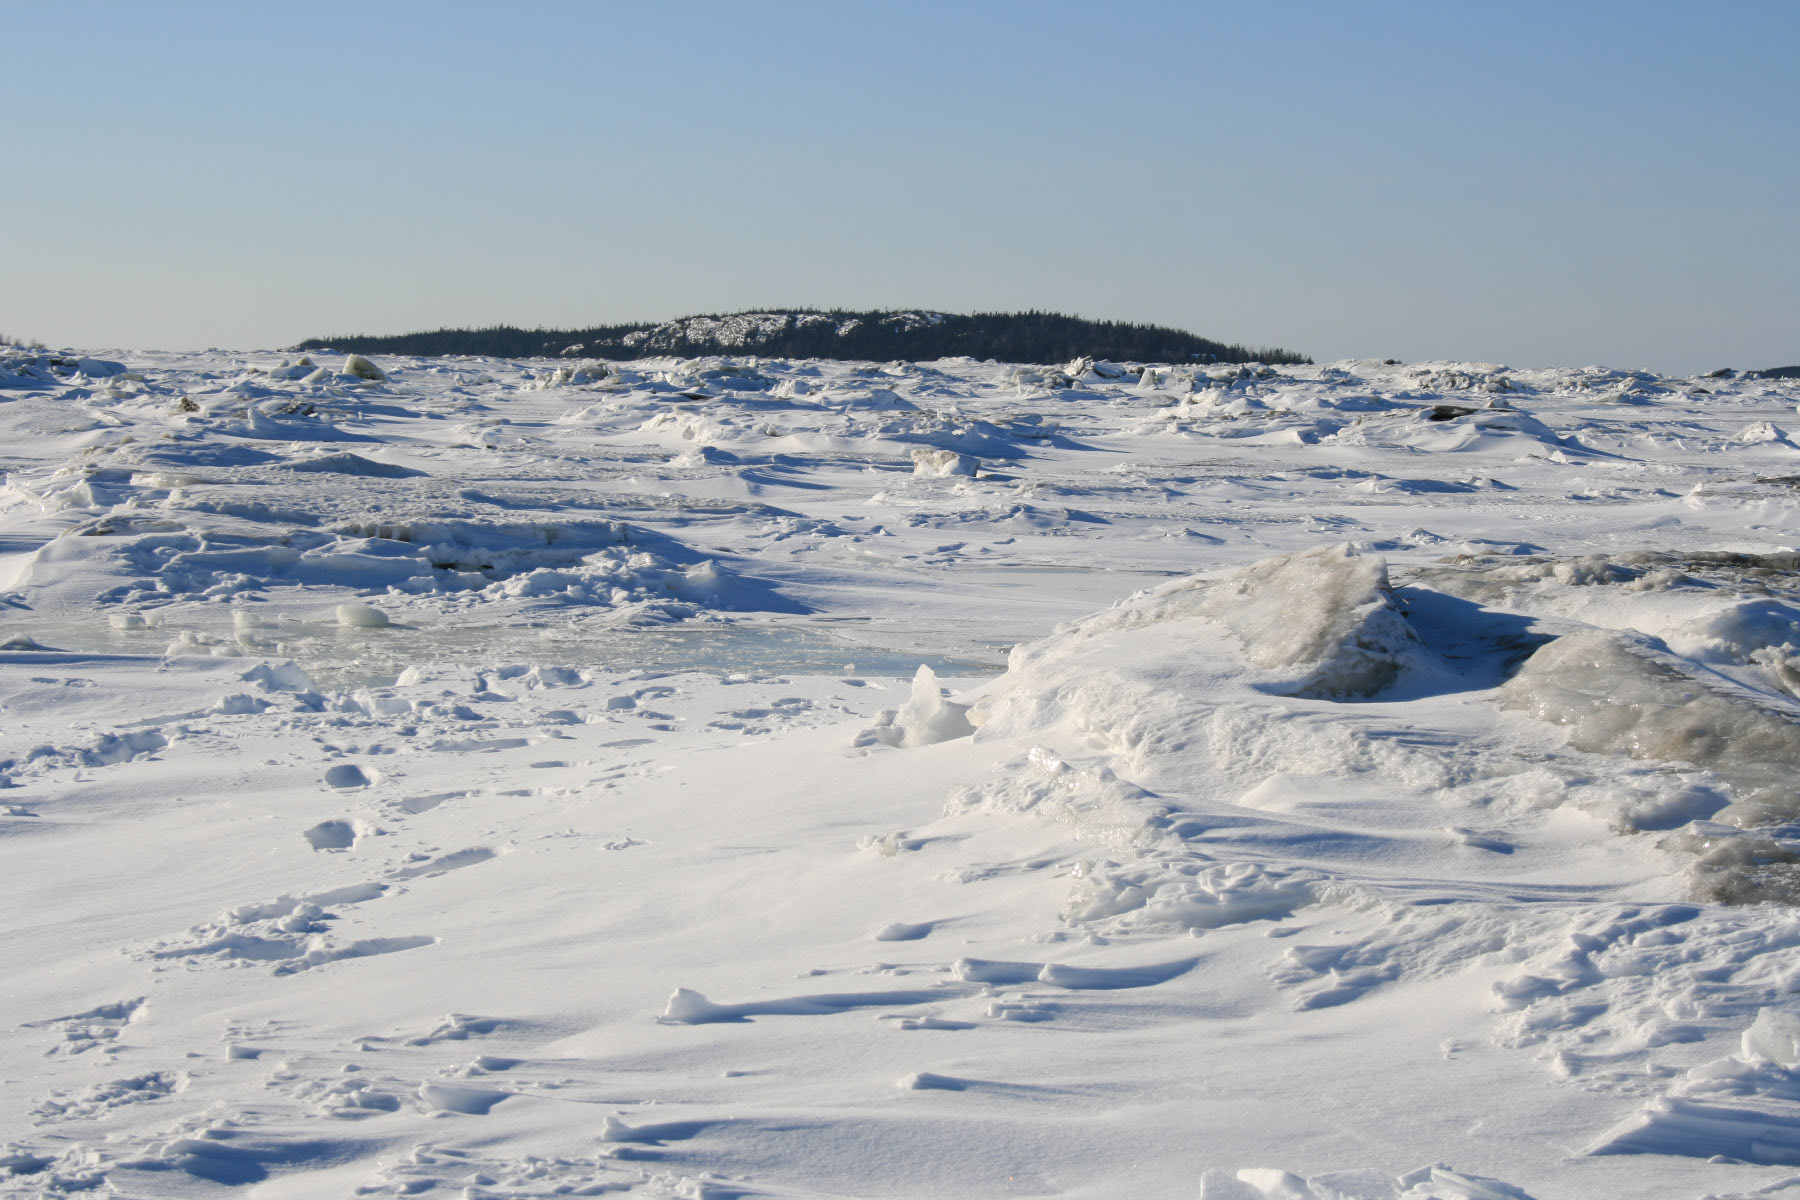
x=338 y=656
x=728 y=778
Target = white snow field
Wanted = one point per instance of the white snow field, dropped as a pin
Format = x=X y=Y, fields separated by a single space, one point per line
x=738 y=778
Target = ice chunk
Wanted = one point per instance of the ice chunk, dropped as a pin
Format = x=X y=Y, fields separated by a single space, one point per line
x=1760 y=432
x=940 y=463
x=1267 y=1183
x=456 y=1098
x=279 y=677
x=1439 y=1182
x=575 y=375
x=1672 y=1125
x=1774 y=1036
x=1327 y=611
x=362 y=368
x=361 y=616
x=688 y=1007
x=1619 y=696
x=1742 y=632
x=23 y=643
x=1436 y=1182
x=925 y=719
x=928 y=717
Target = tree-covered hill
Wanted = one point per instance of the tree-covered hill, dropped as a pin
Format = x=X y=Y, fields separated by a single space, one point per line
x=881 y=336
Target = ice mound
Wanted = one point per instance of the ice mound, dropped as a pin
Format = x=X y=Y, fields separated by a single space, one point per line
x=361 y=616
x=1496 y=429
x=924 y=720
x=942 y=463
x=1184 y=688
x=1737 y=631
x=1760 y=433
x=277 y=417
x=1322 y=623
x=1027 y=380
x=353 y=464
x=287 y=372
x=1773 y=1037
x=1325 y=617
x=1194 y=895
x=362 y=368
x=1763 y=632
x=584 y=374
x=1093 y=802
x=1620 y=695
x=1146 y=676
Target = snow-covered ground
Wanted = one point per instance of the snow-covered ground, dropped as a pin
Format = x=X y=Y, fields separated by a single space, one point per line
x=478 y=778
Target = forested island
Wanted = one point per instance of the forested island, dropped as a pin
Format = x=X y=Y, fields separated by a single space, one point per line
x=878 y=336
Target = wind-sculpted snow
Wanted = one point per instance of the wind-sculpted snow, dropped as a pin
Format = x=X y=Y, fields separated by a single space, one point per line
x=738 y=776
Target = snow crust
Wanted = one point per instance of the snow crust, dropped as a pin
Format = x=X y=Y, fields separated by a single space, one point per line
x=739 y=777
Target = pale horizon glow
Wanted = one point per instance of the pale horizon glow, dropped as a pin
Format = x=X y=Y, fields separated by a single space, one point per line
x=1533 y=184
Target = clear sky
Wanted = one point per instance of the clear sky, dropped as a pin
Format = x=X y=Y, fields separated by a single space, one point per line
x=1537 y=184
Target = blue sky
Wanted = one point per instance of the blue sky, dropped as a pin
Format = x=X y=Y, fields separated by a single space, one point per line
x=1527 y=183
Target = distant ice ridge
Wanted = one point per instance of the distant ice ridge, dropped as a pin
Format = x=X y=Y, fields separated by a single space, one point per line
x=21 y=368
x=601 y=564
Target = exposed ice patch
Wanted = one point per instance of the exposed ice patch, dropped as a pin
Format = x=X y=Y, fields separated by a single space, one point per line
x=1327 y=614
x=1619 y=695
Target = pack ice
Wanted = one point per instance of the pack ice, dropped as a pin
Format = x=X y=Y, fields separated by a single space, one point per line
x=740 y=777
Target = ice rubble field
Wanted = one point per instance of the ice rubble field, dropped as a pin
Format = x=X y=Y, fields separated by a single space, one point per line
x=477 y=778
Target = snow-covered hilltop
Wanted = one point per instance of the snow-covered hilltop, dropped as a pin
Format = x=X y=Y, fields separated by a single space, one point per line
x=751 y=776
x=1033 y=337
